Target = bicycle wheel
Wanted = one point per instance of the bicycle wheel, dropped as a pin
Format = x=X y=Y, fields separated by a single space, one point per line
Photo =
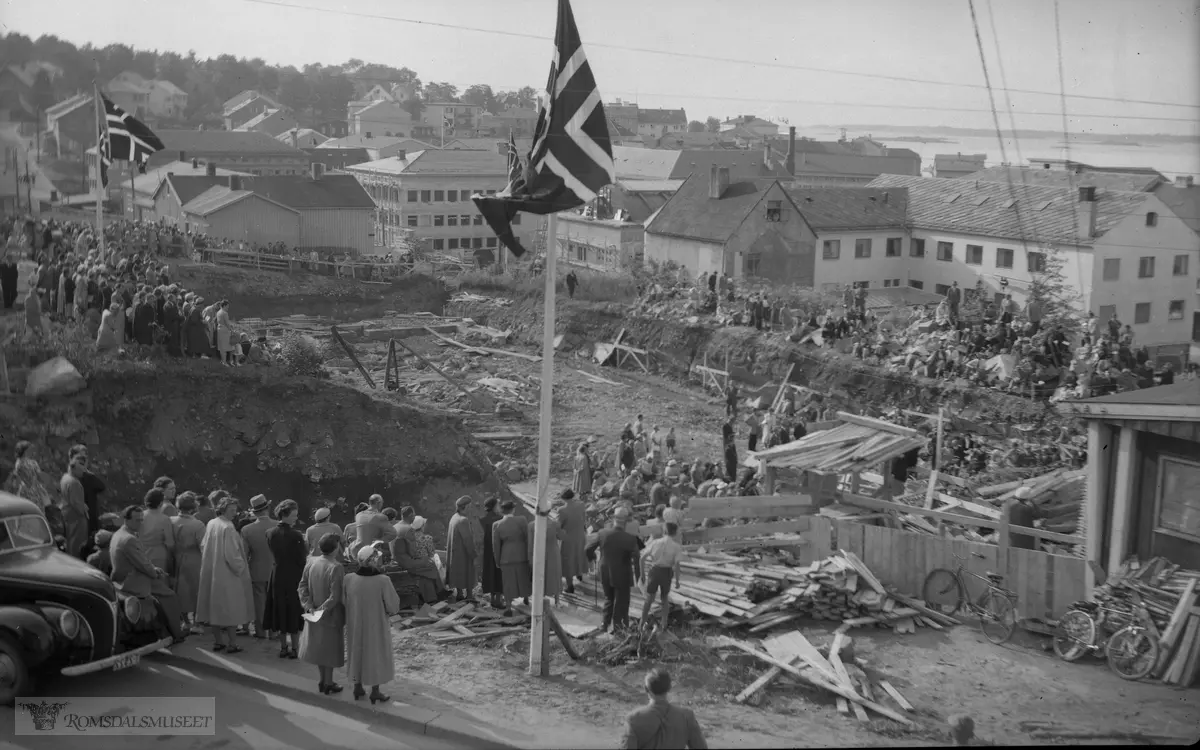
x=1075 y=634
x=1132 y=652
x=942 y=591
x=997 y=617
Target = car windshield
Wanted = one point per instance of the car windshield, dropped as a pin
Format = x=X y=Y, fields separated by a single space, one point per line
x=24 y=532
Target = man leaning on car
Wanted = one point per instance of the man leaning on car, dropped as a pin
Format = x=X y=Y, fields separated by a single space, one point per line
x=134 y=575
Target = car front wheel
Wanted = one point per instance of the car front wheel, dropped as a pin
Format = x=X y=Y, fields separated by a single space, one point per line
x=14 y=674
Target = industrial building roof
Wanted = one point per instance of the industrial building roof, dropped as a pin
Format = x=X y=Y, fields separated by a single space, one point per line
x=437 y=161
x=1131 y=182
x=851 y=207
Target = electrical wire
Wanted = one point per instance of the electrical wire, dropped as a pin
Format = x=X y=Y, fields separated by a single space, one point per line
x=705 y=57
x=1062 y=91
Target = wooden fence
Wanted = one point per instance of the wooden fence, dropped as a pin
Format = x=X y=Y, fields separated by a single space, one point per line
x=380 y=272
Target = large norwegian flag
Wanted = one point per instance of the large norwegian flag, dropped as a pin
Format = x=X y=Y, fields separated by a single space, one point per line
x=124 y=137
x=571 y=158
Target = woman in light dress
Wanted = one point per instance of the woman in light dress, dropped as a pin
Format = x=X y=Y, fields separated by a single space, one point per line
x=224 y=334
x=225 y=601
x=322 y=642
x=189 y=533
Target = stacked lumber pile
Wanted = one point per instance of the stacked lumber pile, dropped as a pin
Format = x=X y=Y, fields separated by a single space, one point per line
x=792 y=654
x=1172 y=596
x=762 y=595
x=445 y=622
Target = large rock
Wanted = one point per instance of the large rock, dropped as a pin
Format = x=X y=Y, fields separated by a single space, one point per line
x=58 y=377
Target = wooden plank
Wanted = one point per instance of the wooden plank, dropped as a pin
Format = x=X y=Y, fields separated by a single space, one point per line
x=699 y=506
x=447 y=621
x=844 y=678
x=1175 y=624
x=984 y=510
x=699 y=536
x=558 y=631
x=895 y=695
x=762 y=682
x=864 y=571
x=815 y=679
x=878 y=424
x=485 y=634
x=797 y=645
x=877 y=504
x=459 y=344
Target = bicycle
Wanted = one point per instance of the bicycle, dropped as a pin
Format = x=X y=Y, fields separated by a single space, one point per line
x=946 y=591
x=1128 y=638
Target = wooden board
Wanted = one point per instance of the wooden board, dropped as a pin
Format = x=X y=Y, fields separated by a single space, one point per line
x=895 y=695
x=762 y=682
x=747 y=507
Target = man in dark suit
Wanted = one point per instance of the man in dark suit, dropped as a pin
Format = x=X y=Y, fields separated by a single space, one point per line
x=659 y=724
x=135 y=575
x=620 y=566
x=261 y=559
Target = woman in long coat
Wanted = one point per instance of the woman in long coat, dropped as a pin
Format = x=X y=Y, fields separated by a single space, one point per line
x=554 y=535
x=283 y=612
x=572 y=519
x=323 y=642
x=195 y=333
x=143 y=321
x=111 y=331
x=173 y=322
x=370 y=600
x=224 y=333
x=189 y=533
x=460 y=551
x=224 y=579
x=490 y=571
x=581 y=482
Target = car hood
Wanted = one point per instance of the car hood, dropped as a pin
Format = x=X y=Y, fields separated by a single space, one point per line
x=47 y=566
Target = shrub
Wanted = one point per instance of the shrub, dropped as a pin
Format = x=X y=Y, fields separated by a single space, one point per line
x=301 y=355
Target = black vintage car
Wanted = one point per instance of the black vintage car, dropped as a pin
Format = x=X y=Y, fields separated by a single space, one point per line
x=59 y=614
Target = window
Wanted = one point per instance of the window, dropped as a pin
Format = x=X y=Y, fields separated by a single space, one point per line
x=862 y=248
x=1151 y=219
x=517 y=218
x=452 y=220
x=892 y=250
x=751 y=264
x=941 y=289
x=831 y=249
x=491 y=192
x=425 y=196
x=412 y=220
x=452 y=195
x=491 y=241
x=916 y=248
x=945 y=251
x=890 y=283
x=1112 y=269
x=774 y=210
x=1004 y=257
x=439 y=196
x=478 y=220
x=975 y=255
x=1141 y=313
x=438 y=220
x=1146 y=267
x=1106 y=313
x=916 y=284
x=1035 y=262
x=1180 y=266
x=452 y=243
x=438 y=244
x=862 y=285
x=1177 y=498
x=476 y=242
x=466 y=243
x=1175 y=309
x=465 y=220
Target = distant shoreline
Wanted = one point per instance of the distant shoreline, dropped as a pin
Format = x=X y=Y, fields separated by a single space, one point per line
x=918 y=139
x=933 y=134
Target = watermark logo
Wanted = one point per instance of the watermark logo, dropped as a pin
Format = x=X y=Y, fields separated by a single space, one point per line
x=116 y=716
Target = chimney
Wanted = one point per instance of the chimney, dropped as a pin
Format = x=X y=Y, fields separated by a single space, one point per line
x=718 y=181
x=790 y=163
x=886 y=197
x=766 y=153
x=317 y=170
x=400 y=154
x=235 y=182
x=295 y=137
x=368 y=134
x=1085 y=212
x=182 y=156
x=1183 y=181
x=195 y=163
x=210 y=169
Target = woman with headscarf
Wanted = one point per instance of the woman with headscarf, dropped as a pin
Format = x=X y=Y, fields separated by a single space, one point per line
x=283 y=613
x=489 y=570
x=370 y=600
x=322 y=642
x=460 y=550
x=423 y=547
x=581 y=482
x=571 y=517
x=224 y=333
x=189 y=533
x=223 y=603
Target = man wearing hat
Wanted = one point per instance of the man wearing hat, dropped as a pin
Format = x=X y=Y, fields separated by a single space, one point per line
x=260 y=557
x=620 y=566
x=1020 y=512
x=321 y=526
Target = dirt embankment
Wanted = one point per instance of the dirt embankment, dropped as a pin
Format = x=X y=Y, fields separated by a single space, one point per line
x=249 y=431
x=754 y=357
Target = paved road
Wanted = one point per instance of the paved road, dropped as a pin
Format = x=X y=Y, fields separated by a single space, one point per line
x=246 y=718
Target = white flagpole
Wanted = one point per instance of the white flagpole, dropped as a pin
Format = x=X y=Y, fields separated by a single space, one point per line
x=99 y=186
x=539 y=664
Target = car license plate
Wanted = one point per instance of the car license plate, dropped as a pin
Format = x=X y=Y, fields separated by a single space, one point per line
x=126 y=661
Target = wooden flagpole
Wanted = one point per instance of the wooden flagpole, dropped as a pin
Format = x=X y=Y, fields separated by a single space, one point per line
x=98 y=188
x=539 y=664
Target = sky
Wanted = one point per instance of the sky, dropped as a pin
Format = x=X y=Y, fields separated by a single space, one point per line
x=771 y=58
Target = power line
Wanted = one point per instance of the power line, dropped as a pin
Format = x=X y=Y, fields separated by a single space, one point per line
x=709 y=58
x=1062 y=92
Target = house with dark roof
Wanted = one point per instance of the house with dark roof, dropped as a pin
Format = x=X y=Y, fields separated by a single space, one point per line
x=745 y=229
x=1123 y=253
x=377 y=145
x=660 y=122
x=520 y=121
x=332 y=212
x=72 y=122
x=1135 y=180
x=246 y=106
x=138 y=199
x=270 y=121
x=957 y=165
x=639 y=199
x=426 y=195
x=384 y=117
x=1143 y=475
x=760 y=127
x=16 y=87
x=844 y=162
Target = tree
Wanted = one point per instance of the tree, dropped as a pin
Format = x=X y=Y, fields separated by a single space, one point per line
x=712 y=125
x=527 y=97
x=172 y=67
x=695 y=126
x=295 y=91
x=1049 y=288
x=480 y=94
x=331 y=90
x=441 y=92
x=43 y=92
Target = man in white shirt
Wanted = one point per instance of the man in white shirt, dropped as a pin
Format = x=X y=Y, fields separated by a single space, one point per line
x=660 y=563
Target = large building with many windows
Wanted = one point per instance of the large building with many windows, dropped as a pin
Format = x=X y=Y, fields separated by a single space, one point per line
x=429 y=194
